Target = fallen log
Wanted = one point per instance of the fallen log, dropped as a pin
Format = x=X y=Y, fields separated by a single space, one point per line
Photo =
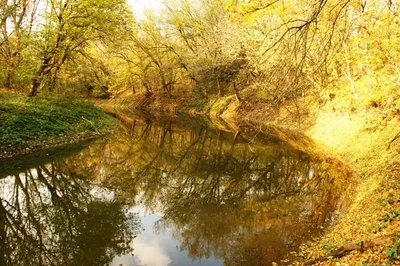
x=346 y=249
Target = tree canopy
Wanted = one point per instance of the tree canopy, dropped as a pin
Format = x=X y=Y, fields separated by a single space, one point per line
x=267 y=49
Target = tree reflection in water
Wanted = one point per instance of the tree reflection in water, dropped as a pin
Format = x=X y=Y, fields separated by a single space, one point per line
x=49 y=216
x=236 y=197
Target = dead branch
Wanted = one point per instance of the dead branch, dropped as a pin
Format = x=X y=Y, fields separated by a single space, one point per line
x=394 y=139
x=91 y=123
x=346 y=249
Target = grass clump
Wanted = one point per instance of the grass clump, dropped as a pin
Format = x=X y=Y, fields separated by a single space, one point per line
x=25 y=119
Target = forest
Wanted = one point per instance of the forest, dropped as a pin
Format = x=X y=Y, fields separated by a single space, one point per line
x=272 y=51
x=318 y=69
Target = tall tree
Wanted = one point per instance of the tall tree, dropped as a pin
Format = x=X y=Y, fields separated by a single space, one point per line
x=69 y=27
x=16 y=22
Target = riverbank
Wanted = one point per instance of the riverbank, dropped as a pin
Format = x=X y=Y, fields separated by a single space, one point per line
x=361 y=133
x=30 y=125
x=364 y=136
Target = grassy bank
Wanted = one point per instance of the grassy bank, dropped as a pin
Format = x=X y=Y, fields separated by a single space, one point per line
x=363 y=135
x=32 y=124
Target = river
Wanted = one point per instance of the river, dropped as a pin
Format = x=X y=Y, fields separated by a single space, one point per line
x=173 y=192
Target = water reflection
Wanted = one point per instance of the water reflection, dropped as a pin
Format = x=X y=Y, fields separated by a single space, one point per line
x=203 y=195
x=49 y=216
x=223 y=195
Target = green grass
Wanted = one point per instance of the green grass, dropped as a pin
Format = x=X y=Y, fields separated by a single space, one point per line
x=25 y=119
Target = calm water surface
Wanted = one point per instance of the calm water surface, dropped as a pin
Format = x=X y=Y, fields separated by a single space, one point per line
x=165 y=193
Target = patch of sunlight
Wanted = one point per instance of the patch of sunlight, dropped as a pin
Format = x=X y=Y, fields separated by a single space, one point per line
x=338 y=132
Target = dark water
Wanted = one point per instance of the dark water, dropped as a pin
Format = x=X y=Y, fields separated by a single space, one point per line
x=166 y=193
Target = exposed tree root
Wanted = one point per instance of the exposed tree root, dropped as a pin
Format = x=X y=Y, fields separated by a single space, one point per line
x=346 y=249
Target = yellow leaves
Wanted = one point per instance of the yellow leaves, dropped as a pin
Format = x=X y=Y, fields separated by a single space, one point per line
x=250 y=11
x=245 y=6
x=360 y=221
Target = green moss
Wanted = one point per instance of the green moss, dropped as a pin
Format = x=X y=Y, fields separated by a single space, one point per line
x=25 y=119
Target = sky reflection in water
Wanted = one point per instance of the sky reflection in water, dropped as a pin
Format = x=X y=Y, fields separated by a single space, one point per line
x=175 y=194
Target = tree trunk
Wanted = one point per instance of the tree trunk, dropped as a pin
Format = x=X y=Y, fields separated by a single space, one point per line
x=237 y=94
x=220 y=90
x=8 y=79
x=44 y=69
x=164 y=84
x=53 y=80
x=35 y=87
x=133 y=127
x=3 y=234
x=167 y=89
